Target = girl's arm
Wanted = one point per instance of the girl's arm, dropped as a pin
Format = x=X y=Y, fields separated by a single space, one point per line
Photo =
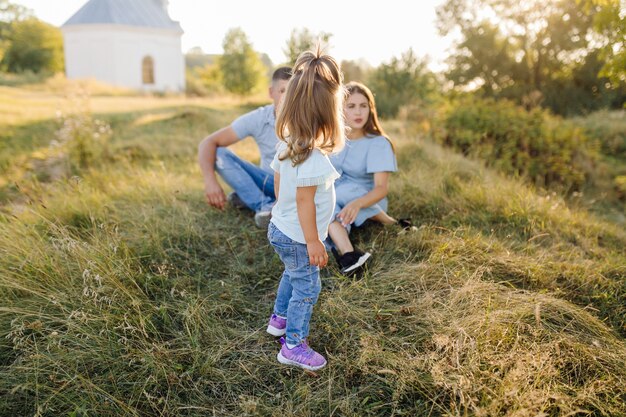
x=276 y=184
x=381 y=188
x=305 y=204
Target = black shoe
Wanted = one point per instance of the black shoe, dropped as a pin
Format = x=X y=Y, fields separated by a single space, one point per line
x=406 y=225
x=236 y=201
x=353 y=263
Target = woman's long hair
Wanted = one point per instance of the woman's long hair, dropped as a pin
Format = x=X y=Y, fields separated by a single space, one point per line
x=311 y=113
x=372 y=125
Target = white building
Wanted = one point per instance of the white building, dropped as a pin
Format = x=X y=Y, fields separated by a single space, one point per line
x=127 y=43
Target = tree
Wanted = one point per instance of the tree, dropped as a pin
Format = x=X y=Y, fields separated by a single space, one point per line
x=610 y=23
x=196 y=58
x=241 y=67
x=485 y=59
x=304 y=40
x=582 y=90
x=9 y=13
x=355 y=70
x=34 y=45
x=514 y=49
x=404 y=81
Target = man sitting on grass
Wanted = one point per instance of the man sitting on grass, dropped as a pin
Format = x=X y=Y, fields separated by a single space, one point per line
x=253 y=186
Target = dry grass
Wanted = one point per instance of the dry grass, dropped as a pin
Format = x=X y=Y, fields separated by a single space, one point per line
x=36 y=102
x=123 y=295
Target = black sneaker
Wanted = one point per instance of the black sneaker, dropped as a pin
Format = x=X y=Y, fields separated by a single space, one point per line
x=406 y=225
x=353 y=263
x=235 y=201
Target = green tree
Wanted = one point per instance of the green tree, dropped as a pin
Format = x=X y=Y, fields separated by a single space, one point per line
x=539 y=36
x=403 y=81
x=196 y=58
x=516 y=49
x=610 y=23
x=34 y=45
x=9 y=13
x=241 y=67
x=582 y=90
x=355 y=70
x=487 y=60
x=302 y=40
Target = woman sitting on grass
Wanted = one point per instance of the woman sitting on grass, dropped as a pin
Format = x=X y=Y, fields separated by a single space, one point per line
x=365 y=165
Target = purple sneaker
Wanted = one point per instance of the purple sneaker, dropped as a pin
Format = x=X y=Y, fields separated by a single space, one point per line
x=302 y=356
x=277 y=325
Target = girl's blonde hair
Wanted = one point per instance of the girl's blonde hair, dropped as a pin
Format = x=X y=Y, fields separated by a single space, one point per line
x=372 y=125
x=311 y=113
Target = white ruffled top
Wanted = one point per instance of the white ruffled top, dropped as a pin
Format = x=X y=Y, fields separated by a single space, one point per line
x=316 y=170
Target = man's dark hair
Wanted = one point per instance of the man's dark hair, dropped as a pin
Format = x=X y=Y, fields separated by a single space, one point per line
x=282 y=73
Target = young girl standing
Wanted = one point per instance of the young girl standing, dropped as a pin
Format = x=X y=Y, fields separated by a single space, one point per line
x=310 y=126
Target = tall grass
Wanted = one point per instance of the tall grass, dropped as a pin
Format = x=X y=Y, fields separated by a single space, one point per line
x=123 y=294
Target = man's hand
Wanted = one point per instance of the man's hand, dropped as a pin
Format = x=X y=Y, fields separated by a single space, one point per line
x=207 y=150
x=317 y=253
x=215 y=195
x=348 y=214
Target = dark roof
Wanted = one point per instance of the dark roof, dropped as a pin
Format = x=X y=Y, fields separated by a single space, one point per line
x=144 y=13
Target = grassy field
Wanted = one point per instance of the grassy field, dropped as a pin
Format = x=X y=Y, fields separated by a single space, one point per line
x=123 y=294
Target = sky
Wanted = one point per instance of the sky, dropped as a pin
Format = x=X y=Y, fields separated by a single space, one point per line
x=375 y=31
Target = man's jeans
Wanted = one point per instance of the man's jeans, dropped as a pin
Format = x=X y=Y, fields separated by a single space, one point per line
x=299 y=286
x=254 y=185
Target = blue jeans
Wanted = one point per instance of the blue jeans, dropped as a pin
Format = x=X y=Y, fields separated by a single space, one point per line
x=299 y=287
x=254 y=185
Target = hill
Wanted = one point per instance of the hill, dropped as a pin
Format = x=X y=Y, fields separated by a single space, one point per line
x=122 y=294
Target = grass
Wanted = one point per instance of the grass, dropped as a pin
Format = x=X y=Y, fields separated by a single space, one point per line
x=122 y=294
x=608 y=196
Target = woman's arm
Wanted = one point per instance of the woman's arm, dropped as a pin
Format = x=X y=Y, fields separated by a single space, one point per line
x=305 y=203
x=381 y=188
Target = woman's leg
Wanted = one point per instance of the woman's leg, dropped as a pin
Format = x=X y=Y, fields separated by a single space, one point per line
x=384 y=218
x=339 y=235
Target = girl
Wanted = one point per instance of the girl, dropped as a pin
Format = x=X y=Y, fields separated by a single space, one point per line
x=310 y=124
x=364 y=164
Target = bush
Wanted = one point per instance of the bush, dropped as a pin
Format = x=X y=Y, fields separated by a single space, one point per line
x=34 y=45
x=24 y=78
x=609 y=128
x=204 y=81
x=532 y=144
x=620 y=186
x=82 y=139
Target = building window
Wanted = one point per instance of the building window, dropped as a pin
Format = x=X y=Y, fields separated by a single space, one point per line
x=147 y=70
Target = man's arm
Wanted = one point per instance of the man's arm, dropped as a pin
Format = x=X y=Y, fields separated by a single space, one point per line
x=206 y=158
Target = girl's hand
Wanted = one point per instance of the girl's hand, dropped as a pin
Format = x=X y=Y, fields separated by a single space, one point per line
x=317 y=253
x=348 y=214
